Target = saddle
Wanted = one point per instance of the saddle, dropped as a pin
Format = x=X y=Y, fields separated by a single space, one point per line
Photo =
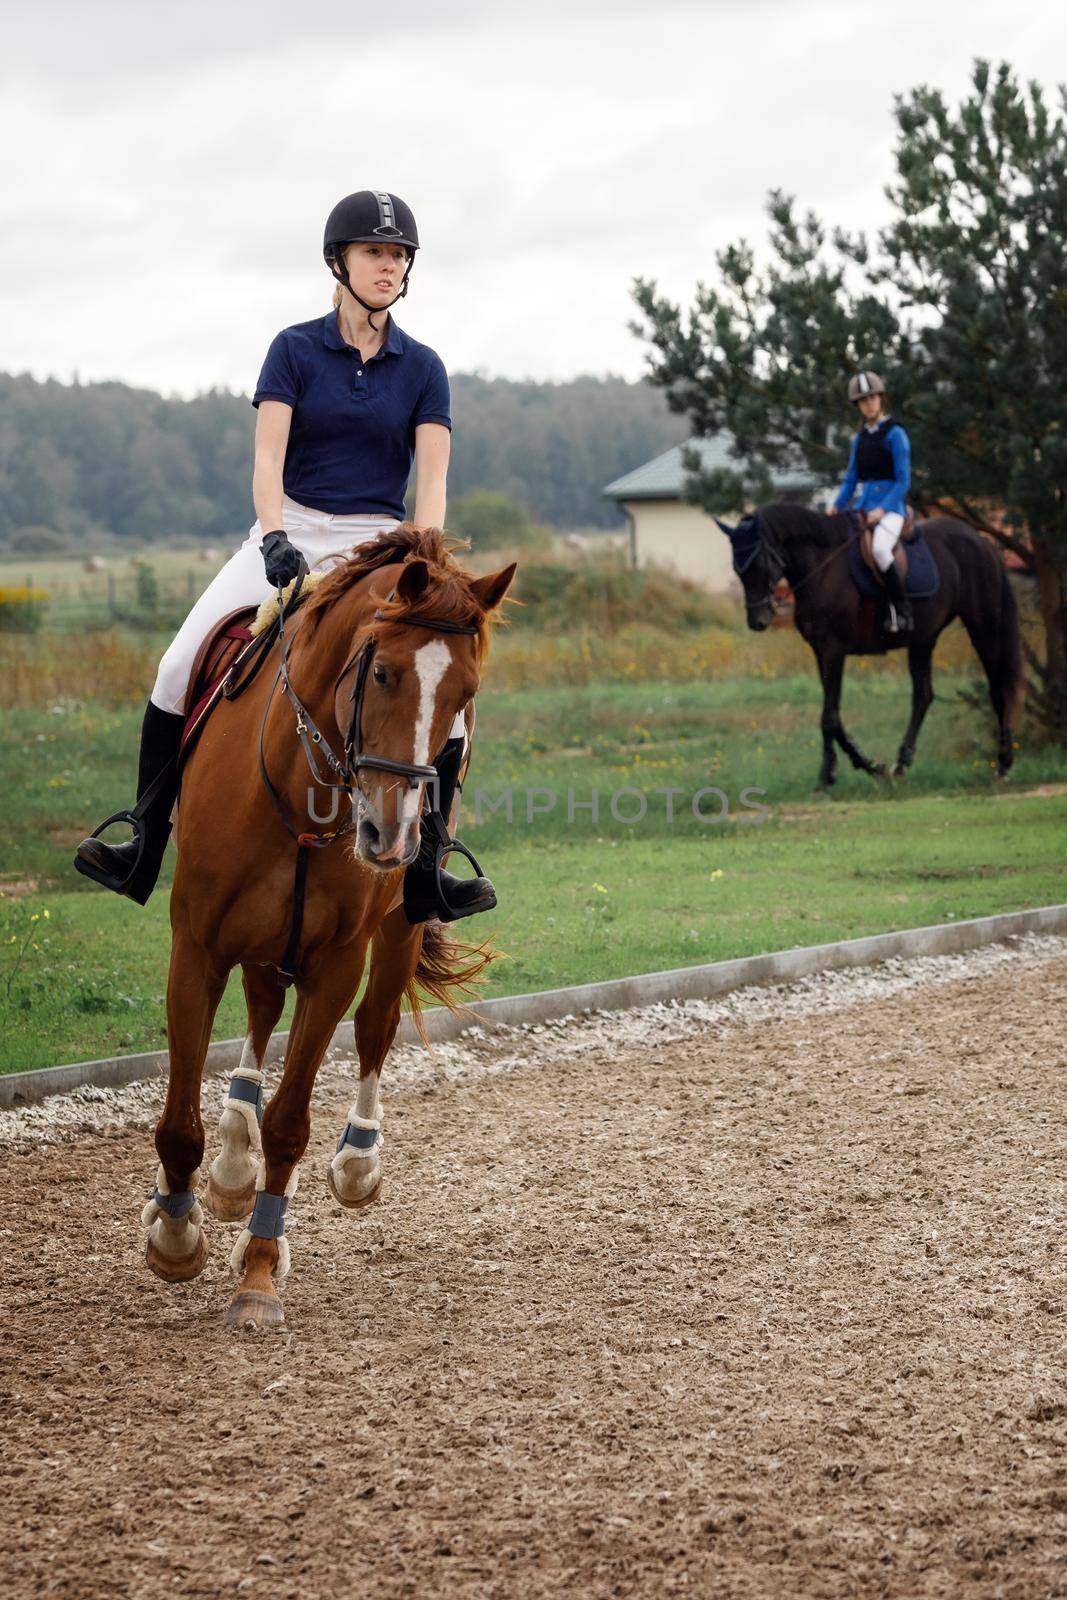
x=900 y=551
x=218 y=655
x=231 y=656
x=913 y=556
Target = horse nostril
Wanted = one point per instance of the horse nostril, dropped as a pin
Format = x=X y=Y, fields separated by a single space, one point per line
x=370 y=840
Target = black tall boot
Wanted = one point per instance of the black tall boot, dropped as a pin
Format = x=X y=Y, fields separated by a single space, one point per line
x=132 y=869
x=898 y=600
x=429 y=891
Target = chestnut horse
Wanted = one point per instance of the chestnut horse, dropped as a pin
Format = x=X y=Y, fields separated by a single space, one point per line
x=374 y=667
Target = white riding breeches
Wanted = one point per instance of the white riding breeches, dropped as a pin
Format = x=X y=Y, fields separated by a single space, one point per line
x=321 y=537
x=883 y=541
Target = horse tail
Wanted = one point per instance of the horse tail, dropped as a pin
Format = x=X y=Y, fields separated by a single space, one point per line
x=1009 y=646
x=446 y=968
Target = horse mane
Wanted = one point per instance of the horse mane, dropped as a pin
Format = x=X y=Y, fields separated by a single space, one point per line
x=789 y=521
x=448 y=596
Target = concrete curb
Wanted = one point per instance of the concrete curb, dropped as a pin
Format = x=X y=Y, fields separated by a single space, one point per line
x=616 y=994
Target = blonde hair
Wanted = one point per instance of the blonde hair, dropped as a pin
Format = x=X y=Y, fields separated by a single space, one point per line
x=338 y=296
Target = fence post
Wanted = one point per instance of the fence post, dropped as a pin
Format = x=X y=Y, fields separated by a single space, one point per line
x=111 y=596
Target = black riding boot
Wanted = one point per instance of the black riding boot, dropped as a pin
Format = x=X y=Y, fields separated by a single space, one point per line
x=132 y=869
x=898 y=600
x=429 y=891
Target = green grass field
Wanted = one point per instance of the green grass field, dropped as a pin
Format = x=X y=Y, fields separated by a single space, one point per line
x=581 y=897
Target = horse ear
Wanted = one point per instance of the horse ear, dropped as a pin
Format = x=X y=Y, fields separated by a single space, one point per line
x=490 y=590
x=412 y=582
x=726 y=528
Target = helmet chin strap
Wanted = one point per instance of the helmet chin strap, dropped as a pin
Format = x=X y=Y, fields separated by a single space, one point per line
x=340 y=271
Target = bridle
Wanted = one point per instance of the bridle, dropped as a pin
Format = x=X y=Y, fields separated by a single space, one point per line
x=356 y=761
x=346 y=768
x=762 y=545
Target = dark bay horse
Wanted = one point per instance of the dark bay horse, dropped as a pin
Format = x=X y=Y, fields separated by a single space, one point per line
x=809 y=550
x=381 y=658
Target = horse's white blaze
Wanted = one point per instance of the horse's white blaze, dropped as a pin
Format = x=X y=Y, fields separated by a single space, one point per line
x=431 y=663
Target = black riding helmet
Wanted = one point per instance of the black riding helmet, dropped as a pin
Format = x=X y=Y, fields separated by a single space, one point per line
x=370 y=216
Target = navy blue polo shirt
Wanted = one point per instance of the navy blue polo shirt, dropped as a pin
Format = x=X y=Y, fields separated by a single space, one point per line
x=352 y=437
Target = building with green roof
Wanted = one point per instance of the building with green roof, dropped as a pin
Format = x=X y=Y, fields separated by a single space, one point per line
x=665 y=531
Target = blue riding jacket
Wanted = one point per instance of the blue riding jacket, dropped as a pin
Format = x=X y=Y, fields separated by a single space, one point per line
x=879 y=470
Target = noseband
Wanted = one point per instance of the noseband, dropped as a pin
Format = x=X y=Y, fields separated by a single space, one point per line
x=356 y=761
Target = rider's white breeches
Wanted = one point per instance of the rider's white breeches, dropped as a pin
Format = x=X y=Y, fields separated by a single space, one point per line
x=321 y=537
x=886 y=533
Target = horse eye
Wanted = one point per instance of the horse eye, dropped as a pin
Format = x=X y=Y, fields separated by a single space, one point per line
x=380 y=675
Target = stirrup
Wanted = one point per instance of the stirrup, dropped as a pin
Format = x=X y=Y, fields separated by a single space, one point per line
x=485 y=902
x=107 y=879
x=444 y=845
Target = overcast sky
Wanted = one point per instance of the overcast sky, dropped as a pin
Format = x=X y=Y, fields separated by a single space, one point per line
x=167 y=170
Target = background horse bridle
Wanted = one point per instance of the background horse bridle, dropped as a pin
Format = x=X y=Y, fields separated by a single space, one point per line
x=763 y=544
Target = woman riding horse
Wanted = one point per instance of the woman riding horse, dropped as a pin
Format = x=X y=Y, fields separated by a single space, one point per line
x=876 y=482
x=345 y=404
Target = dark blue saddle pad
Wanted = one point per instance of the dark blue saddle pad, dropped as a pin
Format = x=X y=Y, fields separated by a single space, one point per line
x=924 y=580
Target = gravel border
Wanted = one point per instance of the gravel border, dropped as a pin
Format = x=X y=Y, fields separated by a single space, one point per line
x=617 y=994
x=481 y=1052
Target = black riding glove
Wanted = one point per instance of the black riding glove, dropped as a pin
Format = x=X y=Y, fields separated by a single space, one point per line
x=281 y=559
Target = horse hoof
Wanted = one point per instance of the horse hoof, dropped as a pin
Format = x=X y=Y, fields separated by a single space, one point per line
x=251 y=1308
x=353 y=1205
x=878 y=769
x=898 y=770
x=177 y=1269
x=229 y=1205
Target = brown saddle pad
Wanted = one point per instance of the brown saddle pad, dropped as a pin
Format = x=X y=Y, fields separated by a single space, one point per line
x=224 y=645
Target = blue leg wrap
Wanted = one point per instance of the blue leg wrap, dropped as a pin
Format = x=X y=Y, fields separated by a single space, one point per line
x=175 y=1205
x=268 y=1218
x=251 y=1093
x=358 y=1138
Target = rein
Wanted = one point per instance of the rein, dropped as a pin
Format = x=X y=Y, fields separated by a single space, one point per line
x=836 y=551
x=346 y=770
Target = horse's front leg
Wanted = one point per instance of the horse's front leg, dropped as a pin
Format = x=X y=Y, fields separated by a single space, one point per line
x=261 y=1254
x=231 y=1184
x=832 y=671
x=922 y=694
x=831 y=667
x=355 y=1171
x=177 y=1248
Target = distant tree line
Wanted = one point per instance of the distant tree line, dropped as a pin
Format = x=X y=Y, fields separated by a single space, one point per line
x=105 y=458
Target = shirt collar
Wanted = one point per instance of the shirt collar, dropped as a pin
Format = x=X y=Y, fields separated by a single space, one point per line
x=395 y=339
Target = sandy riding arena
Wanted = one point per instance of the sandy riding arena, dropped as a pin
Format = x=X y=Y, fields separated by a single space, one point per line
x=760 y=1297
